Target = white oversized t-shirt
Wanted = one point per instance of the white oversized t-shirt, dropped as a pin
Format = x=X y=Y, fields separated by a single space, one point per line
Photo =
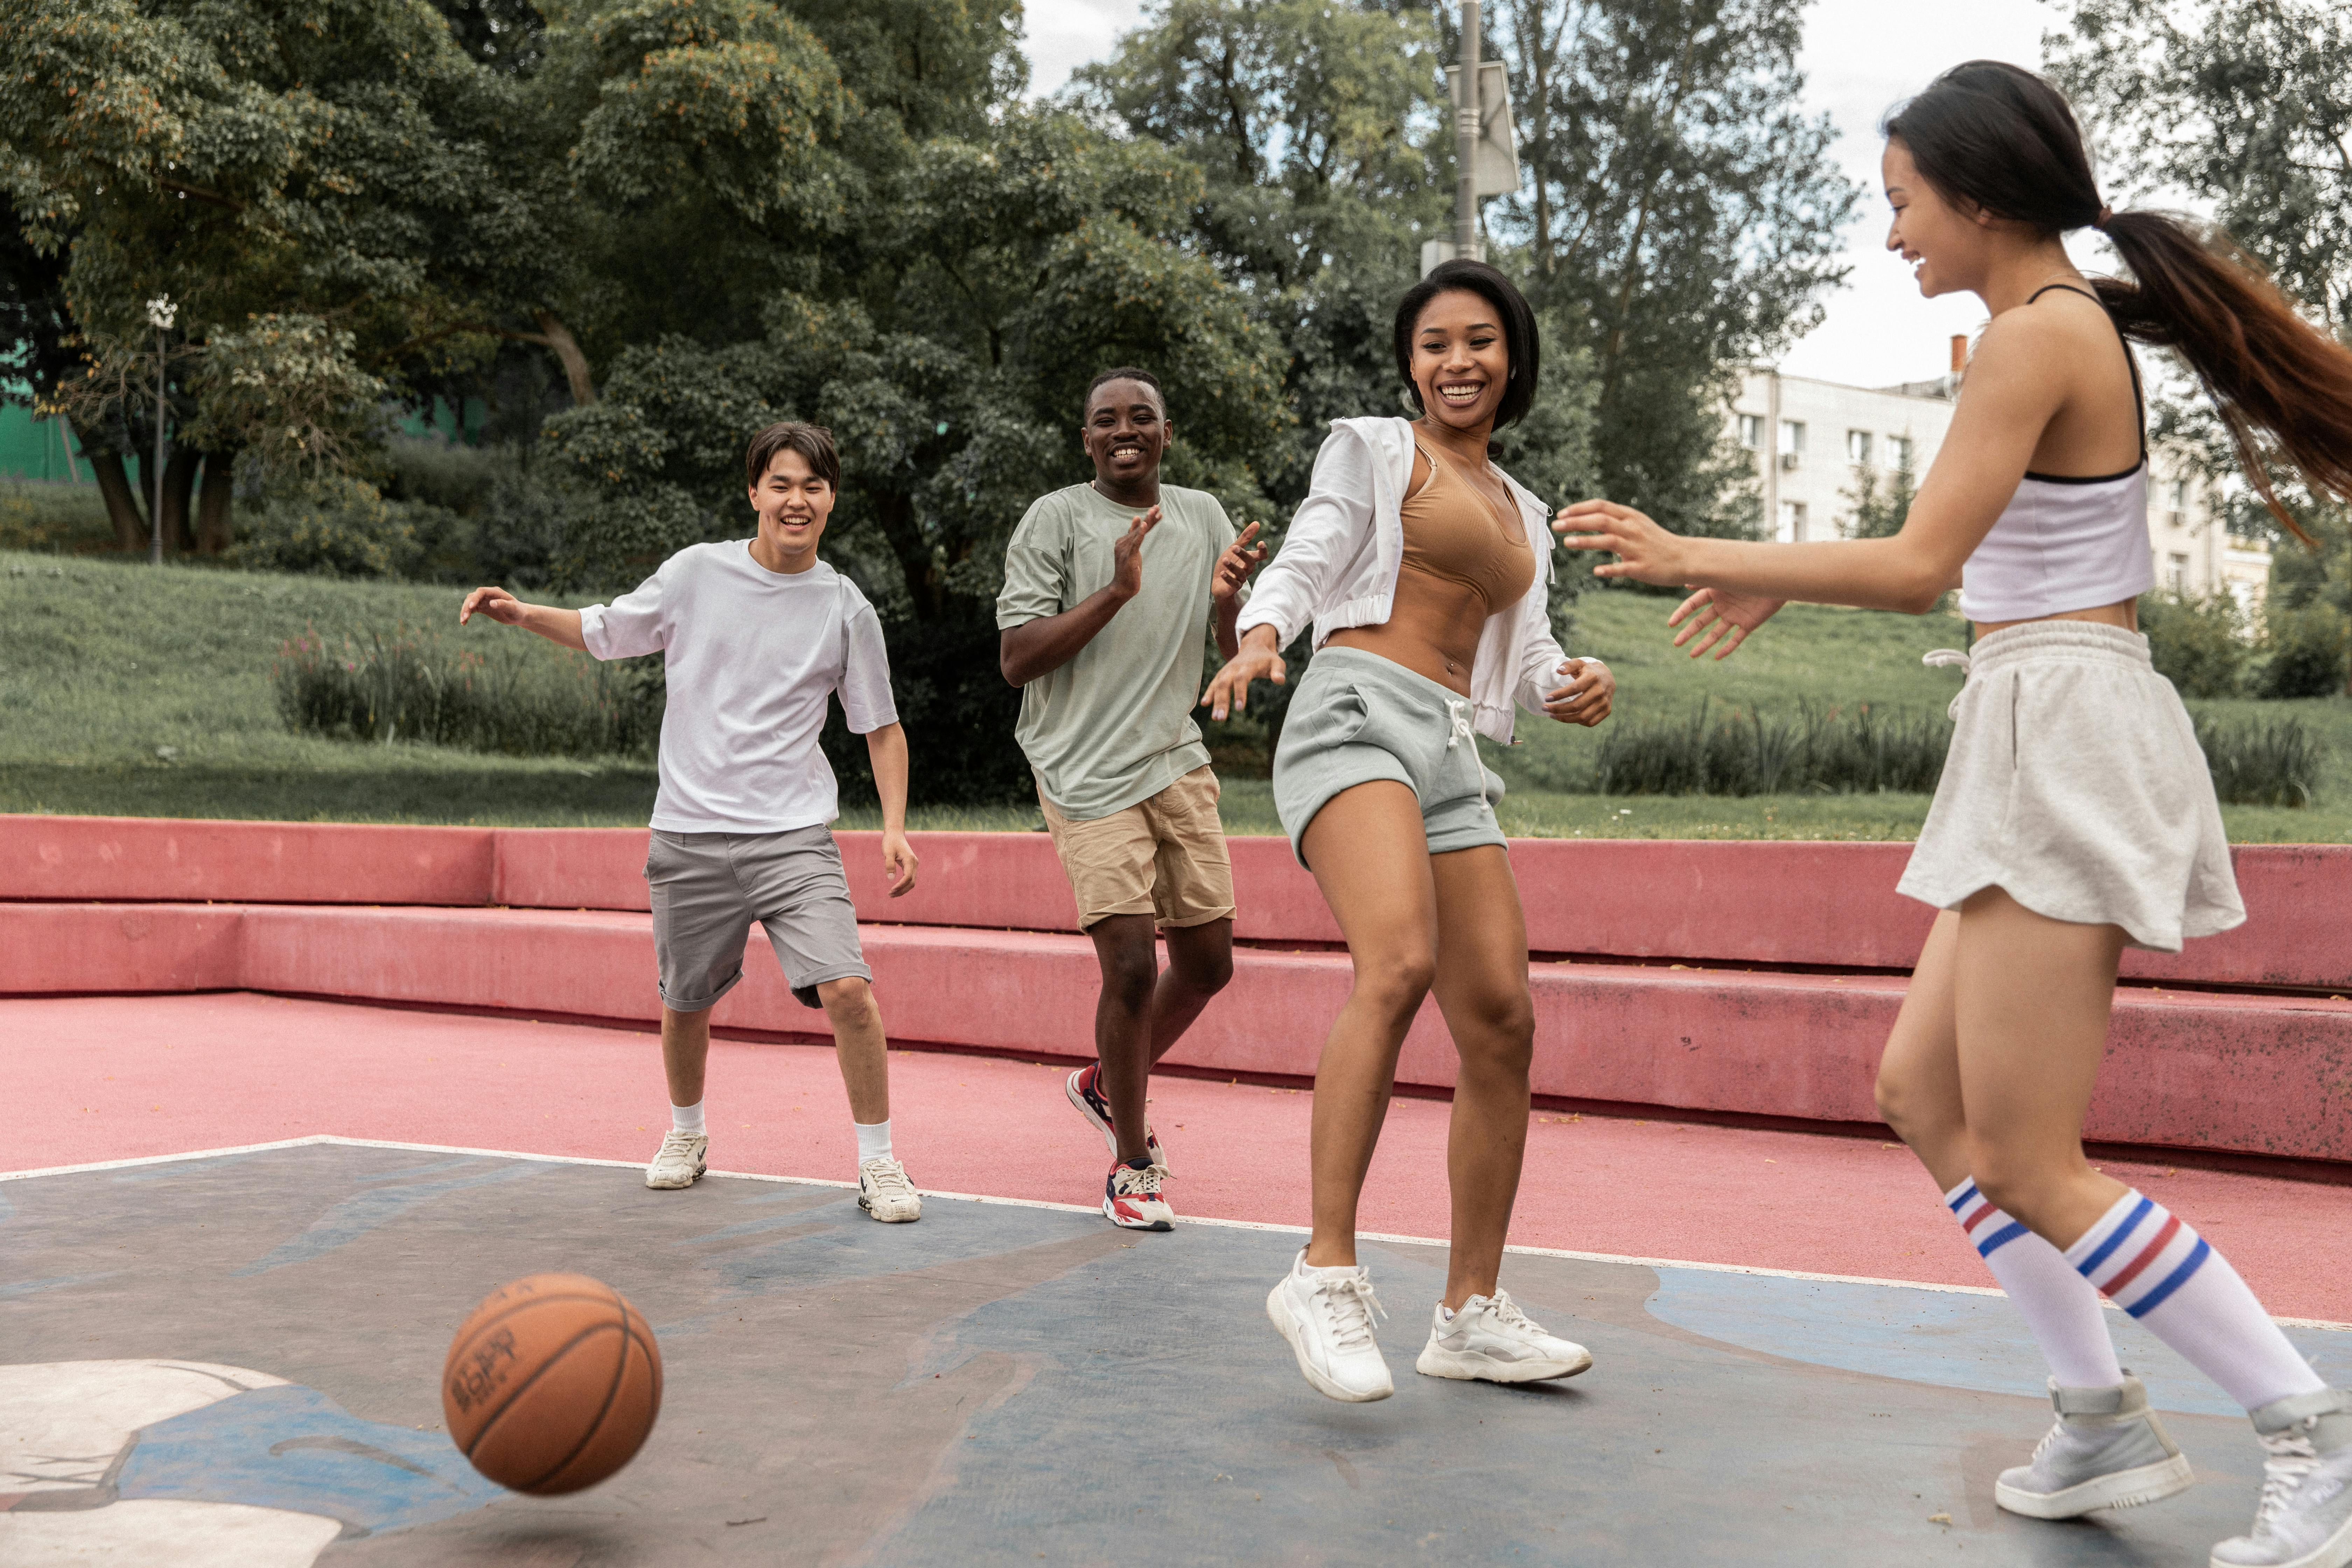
x=751 y=656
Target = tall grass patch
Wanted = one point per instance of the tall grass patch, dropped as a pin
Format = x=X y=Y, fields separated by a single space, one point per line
x=1748 y=752
x=2258 y=760
x=515 y=701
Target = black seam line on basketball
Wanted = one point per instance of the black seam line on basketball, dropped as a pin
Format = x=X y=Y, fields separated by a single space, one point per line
x=620 y=1370
x=653 y=1360
x=546 y=1363
x=486 y=1326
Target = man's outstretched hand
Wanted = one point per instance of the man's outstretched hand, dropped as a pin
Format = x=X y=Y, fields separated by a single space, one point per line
x=1233 y=567
x=496 y=603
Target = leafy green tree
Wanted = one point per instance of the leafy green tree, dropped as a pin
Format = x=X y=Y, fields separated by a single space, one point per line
x=1880 y=511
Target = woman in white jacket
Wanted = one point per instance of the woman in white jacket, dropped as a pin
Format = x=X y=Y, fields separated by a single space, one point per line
x=1425 y=571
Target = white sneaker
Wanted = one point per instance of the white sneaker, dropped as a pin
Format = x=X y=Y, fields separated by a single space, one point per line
x=1131 y=1198
x=1327 y=1316
x=885 y=1194
x=1492 y=1340
x=678 y=1162
x=2108 y=1450
x=2304 y=1517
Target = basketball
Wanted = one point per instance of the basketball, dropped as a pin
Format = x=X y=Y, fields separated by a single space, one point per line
x=552 y=1384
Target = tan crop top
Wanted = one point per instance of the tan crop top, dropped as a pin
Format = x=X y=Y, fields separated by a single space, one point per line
x=1455 y=535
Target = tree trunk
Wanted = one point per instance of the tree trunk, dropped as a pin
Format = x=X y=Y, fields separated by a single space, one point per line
x=216 y=528
x=896 y=514
x=179 y=487
x=566 y=349
x=123 y=507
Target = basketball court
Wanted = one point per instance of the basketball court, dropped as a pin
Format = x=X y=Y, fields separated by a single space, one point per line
x=233 y=1357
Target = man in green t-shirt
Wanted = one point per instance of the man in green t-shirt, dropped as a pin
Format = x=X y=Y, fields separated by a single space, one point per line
x=1110 y=591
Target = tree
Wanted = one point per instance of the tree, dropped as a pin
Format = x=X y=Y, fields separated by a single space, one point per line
x=1682 y=218
x=2248 y=104
x=1881 y=513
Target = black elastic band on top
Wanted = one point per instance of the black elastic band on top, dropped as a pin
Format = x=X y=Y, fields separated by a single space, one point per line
x=2139 y=400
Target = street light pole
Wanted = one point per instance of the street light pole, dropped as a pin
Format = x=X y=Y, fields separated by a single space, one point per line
x=160 y=314
x=1465 y=138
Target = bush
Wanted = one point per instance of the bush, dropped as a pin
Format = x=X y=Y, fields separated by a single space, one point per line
x=2305 y=649
x=517 y=700
x=959 y=713
x=1738 y=753
x=440 y=473
x=2260 y=761
x=2198 y=645
x=54 y=517
x=338 y=528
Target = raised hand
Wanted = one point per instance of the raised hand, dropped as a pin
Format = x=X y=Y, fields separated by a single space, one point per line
x=1126 y=555
x=1259 y=660
x=1645 y=552
x=1715 y=612
x=1233 y=567
x=1586 y=698
x=496 y=603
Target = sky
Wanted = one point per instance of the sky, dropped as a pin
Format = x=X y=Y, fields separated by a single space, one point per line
x=1860 y=57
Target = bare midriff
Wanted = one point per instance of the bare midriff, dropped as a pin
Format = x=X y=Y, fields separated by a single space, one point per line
x=1464 y=560
x=2123 y=613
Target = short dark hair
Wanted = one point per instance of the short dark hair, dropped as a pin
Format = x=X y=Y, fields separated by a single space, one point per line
x=1520 y=340
x=1123 y=372
x=814 y=442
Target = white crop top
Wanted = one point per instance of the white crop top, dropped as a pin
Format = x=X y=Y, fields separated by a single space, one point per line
x=2066 y=544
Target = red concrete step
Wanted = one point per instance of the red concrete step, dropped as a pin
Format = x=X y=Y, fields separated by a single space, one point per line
x=1770 y=904
x=2260 y=1074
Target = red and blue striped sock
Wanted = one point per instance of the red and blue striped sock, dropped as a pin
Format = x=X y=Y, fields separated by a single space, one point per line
x=2169 y=1278
x=2062 y=1312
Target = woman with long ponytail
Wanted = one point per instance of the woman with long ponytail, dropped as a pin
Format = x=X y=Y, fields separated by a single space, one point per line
x=2076 y=816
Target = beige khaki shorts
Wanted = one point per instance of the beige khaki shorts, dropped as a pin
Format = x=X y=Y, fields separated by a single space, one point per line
x=1164 y=855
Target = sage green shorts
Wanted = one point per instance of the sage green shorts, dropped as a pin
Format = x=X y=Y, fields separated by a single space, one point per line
x=1357 y=717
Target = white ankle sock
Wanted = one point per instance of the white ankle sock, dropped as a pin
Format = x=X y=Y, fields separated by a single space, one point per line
x=2058 y=1304
x=2171 y=1279
x=686 y=1118
x=873 y=1140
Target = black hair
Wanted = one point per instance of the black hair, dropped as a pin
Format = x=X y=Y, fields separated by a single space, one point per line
x=814 y=442
x=1521 y=342
x=1123 y=372
x=1997 y=137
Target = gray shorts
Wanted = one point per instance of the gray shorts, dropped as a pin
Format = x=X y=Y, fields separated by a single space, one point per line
x=708 y=888
x=1357 y=717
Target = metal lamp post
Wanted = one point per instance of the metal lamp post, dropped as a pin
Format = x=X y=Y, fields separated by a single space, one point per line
x=161 y=312
x=1465 y=138
x=1485 y=146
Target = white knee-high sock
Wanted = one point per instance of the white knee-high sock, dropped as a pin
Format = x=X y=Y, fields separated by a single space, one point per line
x=2058 y=1305
x=2170 y=1279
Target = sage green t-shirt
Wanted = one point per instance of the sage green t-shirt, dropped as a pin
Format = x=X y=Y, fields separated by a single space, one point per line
x=1114 y=725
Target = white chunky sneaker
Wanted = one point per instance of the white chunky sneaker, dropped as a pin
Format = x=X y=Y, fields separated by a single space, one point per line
x=1492 y=1340
x=679 y=1162
x=885 y=1194
x=2304 y=1517
x=2106 y=1450
x=1327 y=1316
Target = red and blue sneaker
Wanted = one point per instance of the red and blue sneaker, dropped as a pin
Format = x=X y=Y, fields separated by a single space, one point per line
x=1084 y=1088
x=1131 y=1198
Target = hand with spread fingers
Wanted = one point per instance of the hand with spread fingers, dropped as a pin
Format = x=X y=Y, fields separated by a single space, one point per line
x=1586 y=698
x=1126 y=555
x=1259 y=660
x=1233 y=567
x=1714 y=611
x=1645 y=552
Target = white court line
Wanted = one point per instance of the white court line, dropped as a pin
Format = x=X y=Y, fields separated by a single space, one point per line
x=330 y=1138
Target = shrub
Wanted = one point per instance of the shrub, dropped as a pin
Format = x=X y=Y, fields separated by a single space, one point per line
x=2198 y=645
x=516 y=700
x=2305 y=649
x=959 y=713
x=54 y=517
x=1737 y=753
x=337 y=528
x=2260 y=761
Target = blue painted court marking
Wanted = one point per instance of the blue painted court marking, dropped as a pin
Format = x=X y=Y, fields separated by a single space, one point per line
x=1934 y=1336
x=292 y=1447
x=358 y=1214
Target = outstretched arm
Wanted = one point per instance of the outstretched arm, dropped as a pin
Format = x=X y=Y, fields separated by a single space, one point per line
x=1041 y=647
x=886 y=748
x=556 y=626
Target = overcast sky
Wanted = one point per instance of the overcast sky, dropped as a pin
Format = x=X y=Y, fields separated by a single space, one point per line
x=1860 y=57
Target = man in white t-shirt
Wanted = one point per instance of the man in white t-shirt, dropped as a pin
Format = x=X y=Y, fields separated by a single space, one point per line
x=755 y=636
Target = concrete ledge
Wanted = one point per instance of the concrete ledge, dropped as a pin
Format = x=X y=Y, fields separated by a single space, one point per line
x=2252 y=1074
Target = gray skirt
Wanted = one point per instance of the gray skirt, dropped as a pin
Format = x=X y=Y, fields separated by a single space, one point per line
x=2074 y=783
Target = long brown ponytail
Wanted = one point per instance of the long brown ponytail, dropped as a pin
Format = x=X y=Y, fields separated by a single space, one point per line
x=2000 y=138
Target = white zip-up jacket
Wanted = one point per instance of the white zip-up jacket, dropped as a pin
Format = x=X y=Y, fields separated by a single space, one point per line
x=1339 y=566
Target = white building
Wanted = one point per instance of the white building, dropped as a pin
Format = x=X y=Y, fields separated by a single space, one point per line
x=1814 y=442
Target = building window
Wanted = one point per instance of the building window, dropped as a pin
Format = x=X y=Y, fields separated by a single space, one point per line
x=1898 y=450
x=2176 y=573
x=1793 y=437
x=1857 y=446
x=1792 y=518
x=1751 y=431
x=2176 y=496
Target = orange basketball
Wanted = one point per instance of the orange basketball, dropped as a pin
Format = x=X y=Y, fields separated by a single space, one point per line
x=551 y=1384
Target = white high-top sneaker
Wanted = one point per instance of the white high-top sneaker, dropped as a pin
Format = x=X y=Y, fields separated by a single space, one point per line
x=1491 y=1340
x=2304 y=1517
x=1327 y=1316
x=2106 y=1450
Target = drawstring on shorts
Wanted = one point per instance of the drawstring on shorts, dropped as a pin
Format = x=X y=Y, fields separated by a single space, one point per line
x=1939 y=657
x=1457 y=717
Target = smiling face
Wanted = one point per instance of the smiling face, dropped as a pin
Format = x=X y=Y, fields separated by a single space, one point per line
x=1461 y=362
x=793 y=501
x=1126 y=432
x=1949 y=247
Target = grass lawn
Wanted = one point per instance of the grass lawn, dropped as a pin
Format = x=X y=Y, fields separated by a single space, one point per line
x=132 y=691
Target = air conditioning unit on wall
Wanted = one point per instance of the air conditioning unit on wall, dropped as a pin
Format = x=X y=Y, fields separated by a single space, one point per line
x=1792 y=459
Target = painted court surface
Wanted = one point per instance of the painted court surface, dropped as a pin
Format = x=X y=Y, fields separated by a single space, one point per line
x=233 y=1359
